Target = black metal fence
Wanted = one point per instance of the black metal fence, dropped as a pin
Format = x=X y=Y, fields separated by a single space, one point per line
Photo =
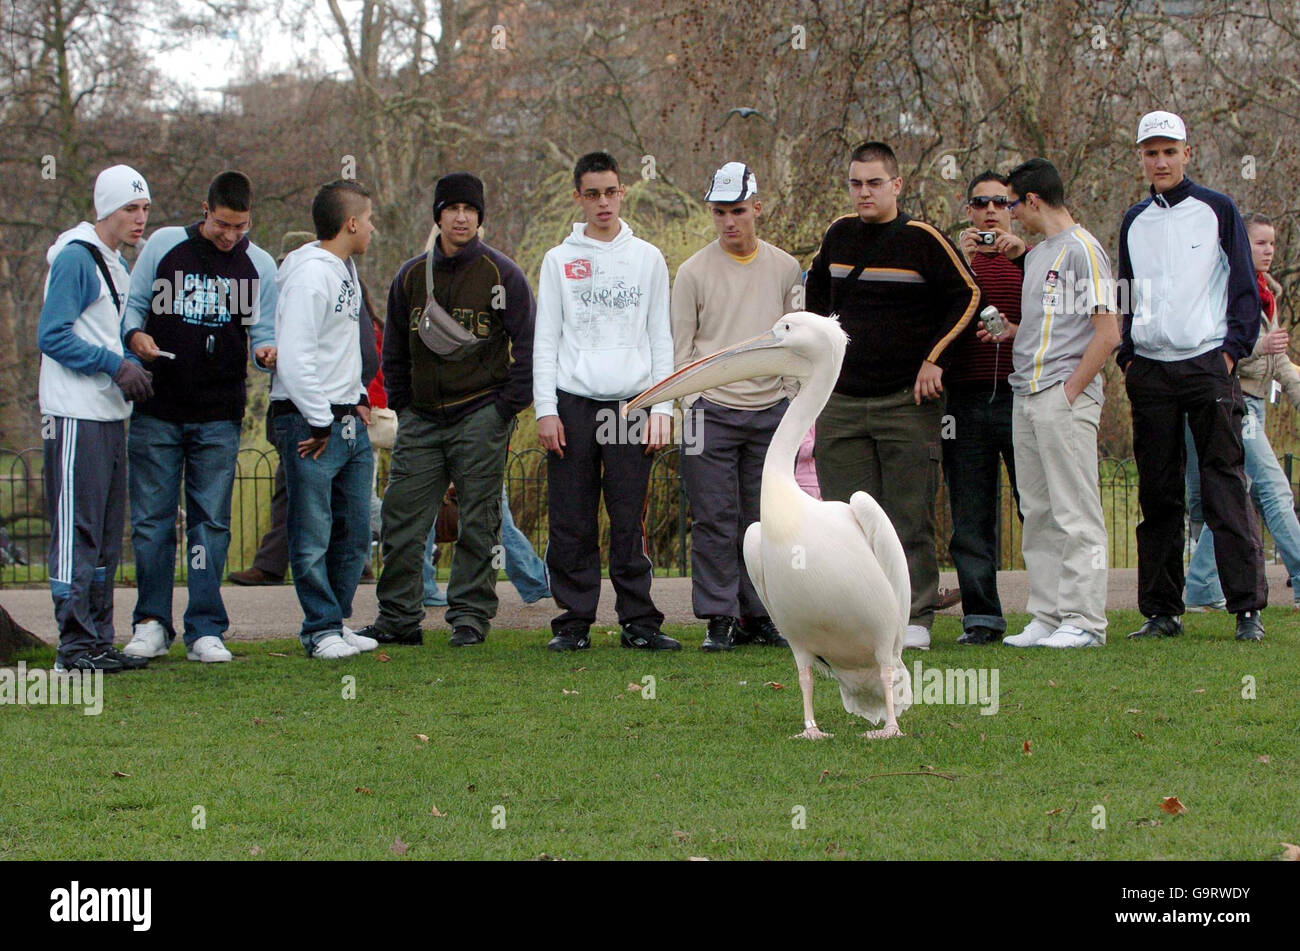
x=25 y=531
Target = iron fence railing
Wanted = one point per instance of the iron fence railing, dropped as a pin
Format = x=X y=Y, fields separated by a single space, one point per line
x=24 y=529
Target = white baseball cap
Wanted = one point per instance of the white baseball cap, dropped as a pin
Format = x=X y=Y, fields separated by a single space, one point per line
x=733 y=182
x=1161 y=125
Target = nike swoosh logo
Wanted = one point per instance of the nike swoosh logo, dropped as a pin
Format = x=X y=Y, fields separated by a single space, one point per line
x=1196 y=245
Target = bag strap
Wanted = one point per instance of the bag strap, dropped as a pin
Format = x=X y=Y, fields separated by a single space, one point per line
x=871 y=254
x=103 y=269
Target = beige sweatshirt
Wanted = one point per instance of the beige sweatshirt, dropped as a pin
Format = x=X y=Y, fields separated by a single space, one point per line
x=1258 y=371
x=717 y=302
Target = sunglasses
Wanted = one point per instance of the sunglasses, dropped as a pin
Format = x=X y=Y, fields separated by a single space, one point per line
x=983 y=201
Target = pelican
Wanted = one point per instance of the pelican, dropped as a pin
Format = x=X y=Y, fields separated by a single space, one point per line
x=832 y=575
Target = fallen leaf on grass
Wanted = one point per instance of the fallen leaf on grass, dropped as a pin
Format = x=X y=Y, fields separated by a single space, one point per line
x=681 y=836
x=255 y=850
x=1262 y=759
x=577 y=670
x=774 y=685
x=1137 y=734
x=1144 y=821
x=834 y=849
x=981 y=737
x=365 y=791
x=568 y=693
x=382 y=657
x=1290 y=853
x=955 y=726
x=1055 y=812
x=1028 y=752
x=398 y=847
x=825 y=773
x=697 y=858
x=121 y=775
x=257 y=721
x=634 y=687
x=436 y=814
x=422 y=737
x=274 y=654
x=1132 y=710
x=1199 y=690
x=1171 y=805
x=1051 y=683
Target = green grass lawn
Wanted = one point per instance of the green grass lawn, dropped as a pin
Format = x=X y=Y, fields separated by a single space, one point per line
x=575 y=765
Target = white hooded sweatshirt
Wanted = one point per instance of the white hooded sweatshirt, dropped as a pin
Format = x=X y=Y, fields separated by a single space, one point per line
x=603 y=329
x=317 y=333
x=83 y=387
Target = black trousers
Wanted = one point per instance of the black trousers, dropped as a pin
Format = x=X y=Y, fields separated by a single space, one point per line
x=1160 y=393
x=602 y=455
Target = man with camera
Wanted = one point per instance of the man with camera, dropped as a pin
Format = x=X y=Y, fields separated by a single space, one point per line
x=1067 y=331
x=979 y=404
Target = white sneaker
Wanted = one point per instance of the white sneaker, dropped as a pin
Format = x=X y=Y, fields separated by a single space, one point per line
x=148 y=639
x=359 y=641
x=1067 y=635
x=917 y=637
x=334 y=647
x=209 y=650
x=1220 y=605
x=1033 y=635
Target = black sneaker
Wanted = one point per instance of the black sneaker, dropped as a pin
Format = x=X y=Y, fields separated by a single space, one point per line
x=89 y=662
x=462 y=635
x=759 y=630
x=719 y=635
x=126 y=660
x=413 y=637
x=978 y=634
x=570 y=639
x=642 y=637
x=1249 y=627
x=1162 y=625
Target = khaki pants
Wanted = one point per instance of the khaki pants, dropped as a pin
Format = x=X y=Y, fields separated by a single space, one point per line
x=1064 y=537
x=888 y=447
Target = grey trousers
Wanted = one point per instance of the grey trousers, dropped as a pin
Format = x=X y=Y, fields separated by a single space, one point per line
x=85 y=498
x=888 y=447
x=723 y=473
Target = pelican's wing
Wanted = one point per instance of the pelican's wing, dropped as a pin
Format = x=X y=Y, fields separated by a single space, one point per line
x=888 y=549
x=753 y=549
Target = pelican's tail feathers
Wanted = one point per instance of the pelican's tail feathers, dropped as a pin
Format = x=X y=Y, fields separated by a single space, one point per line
x=864 y=696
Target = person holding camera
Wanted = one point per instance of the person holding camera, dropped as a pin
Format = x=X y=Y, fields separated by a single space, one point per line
x=979 y=403
x=1068 y=329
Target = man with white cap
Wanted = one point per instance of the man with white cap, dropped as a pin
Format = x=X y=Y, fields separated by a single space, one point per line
x=86 y=381
x=730 y=290
x=1191 y=312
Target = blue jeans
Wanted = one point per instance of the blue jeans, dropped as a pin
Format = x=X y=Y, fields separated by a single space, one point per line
x=527 y=572
x=328 y=522
x=980 y=441
x=159 y=453
x=1271 y=493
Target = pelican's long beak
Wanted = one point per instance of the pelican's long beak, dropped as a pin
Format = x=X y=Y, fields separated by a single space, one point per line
x=764 y=355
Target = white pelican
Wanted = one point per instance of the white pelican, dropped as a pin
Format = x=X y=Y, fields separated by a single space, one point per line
x=832 y=576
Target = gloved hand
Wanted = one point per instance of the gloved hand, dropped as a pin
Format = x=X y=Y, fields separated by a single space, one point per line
x=134 y=380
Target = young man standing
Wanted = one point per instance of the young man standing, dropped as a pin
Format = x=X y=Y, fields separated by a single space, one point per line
x=603 y=335
x=732 y=289
x=458 y=367
x=1192 y=314
x=979 y=404
x=904 y=295
x=1067 y=331
x=86 y=381
x=320 y=413
x=198 y=295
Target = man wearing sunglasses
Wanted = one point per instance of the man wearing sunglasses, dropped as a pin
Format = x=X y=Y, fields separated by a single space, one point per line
x=979 y=403
x=904 y=295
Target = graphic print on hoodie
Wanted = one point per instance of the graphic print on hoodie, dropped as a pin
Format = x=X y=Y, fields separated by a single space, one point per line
x=202 y=304
x=603 y=329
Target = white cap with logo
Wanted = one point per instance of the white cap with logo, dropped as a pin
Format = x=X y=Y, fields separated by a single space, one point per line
x=117 y=186
x=733 y=182
x=1161 y=125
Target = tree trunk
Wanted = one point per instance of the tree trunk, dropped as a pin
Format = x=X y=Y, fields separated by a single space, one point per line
x=14 y=637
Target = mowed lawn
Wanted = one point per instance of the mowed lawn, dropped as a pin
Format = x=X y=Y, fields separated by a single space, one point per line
x=530 y=753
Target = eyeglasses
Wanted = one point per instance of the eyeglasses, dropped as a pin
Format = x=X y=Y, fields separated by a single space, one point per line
x=1012 y=204
x=611 y=193
x=875 y=184
x=983 y=201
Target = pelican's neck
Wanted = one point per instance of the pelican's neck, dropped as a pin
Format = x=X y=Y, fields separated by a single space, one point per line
x=778 y=467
